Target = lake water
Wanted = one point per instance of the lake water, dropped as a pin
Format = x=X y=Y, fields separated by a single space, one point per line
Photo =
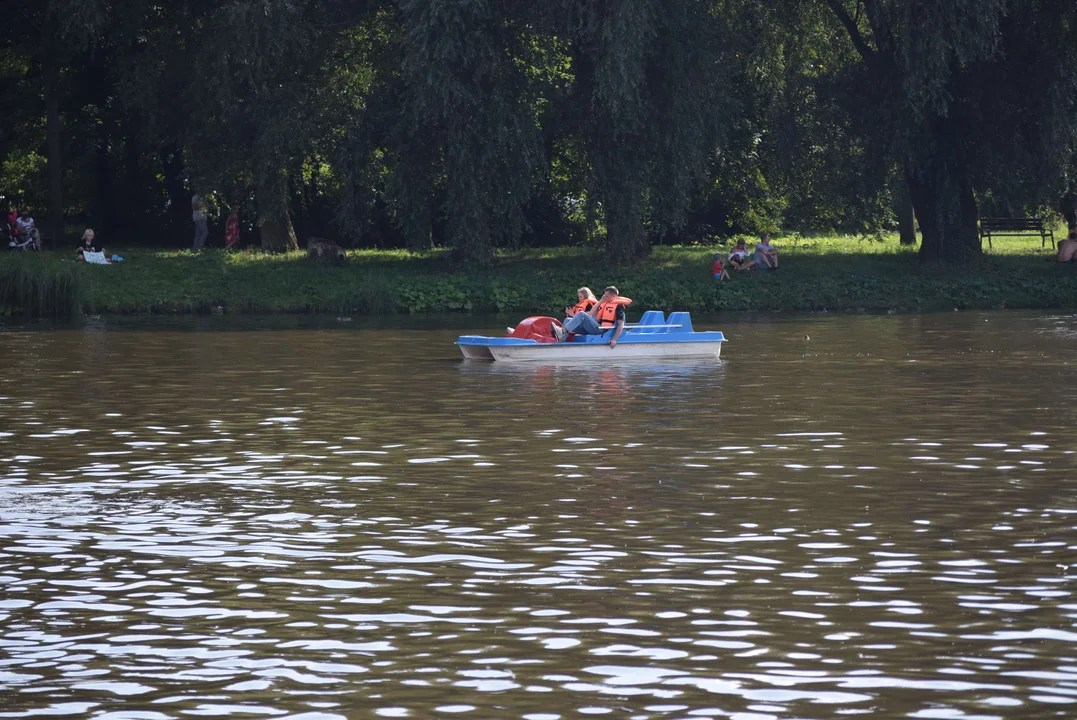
x=848 y=515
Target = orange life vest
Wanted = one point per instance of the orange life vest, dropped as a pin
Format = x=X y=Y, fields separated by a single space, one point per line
x=582 y=306
x=607 y=311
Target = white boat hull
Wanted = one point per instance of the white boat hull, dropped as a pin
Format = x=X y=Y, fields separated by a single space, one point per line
x=652 y=338
x=476 y=352
x=570 y=352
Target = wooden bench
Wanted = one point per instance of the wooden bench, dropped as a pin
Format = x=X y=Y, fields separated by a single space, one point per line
x=1012 y=227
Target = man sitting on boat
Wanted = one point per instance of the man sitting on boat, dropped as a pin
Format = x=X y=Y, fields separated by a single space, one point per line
x=608 y=313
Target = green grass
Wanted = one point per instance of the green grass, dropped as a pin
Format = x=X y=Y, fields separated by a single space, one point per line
x=832 y=273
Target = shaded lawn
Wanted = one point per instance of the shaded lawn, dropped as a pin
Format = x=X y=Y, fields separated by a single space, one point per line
x=818 y=272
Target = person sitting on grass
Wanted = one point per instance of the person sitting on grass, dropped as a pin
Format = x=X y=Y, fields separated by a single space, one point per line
x=718 y=271
x=1067 y=249
x=13 y=223
x=88 y=245
x=18 y=240
x=739 y=257
x=766 y=255
x=27 y=229
x=609 y=312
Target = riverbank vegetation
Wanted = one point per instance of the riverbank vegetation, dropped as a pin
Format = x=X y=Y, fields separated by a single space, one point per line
x=817 y=273
x=476 y=127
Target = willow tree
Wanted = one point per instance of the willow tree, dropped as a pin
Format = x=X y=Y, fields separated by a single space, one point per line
x=816 y=146
x=42 y=44
x=467 y=86
x=257 y=77
x=650 y=103
x=231 y=90
x=444 y=128
x=975 y=96
x=473 y=102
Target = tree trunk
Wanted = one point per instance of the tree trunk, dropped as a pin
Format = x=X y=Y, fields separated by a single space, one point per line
x=1069 y=209
x=105 y=216
x=626 y=236
x=275 y=224
x=906 y=216
x=472 y=244
x=947 y=221
x=51 y=85
x=626 y=239
x=942 y=196
x=179 y=201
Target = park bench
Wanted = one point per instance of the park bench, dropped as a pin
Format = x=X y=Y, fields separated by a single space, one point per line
x=1012 y=227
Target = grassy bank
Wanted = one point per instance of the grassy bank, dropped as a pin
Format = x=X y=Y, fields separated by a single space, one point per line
x=840 y=274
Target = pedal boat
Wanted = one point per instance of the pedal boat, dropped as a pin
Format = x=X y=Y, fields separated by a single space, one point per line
x=653 y=337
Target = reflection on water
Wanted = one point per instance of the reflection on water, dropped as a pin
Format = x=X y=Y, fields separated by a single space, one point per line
x=847 y=516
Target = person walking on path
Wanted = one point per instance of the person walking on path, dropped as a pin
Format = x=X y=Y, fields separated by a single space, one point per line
x=198 y=216
x=231 y=229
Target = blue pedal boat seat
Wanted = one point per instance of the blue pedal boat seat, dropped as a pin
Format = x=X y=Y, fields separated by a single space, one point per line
x=651 y=317
x=680 y=318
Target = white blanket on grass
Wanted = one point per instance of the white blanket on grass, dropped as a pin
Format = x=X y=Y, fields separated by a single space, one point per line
x=95 y=258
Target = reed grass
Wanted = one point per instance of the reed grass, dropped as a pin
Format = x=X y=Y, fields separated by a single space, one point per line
x=37 y=286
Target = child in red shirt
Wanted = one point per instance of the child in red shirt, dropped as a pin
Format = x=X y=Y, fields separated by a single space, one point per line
x=718 y=271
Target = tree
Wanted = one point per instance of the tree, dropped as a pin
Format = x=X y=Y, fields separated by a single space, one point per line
x=651 y=101
x=48 y=39
x=934 y=71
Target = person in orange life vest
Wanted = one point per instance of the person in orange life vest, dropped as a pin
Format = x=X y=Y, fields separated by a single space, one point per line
x=587 y=301
x=609 y=312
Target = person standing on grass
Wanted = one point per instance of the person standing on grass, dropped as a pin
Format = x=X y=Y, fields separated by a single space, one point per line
x=198 y=216
x=766 y=255
x=231 y=229
x=739 y=258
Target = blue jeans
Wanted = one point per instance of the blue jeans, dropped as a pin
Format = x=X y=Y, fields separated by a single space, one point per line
x=583 y=324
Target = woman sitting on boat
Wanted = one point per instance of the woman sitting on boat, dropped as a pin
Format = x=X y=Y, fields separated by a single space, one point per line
x=587 y=301
x=608 y=313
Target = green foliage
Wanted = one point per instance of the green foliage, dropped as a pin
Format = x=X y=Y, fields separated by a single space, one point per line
x=477 y=126
x=818 y=273
x=19 y=173
x=971 y=99
x=437 y=294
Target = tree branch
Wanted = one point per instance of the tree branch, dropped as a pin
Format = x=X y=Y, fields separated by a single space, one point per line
x=880 y=28
x=851 y=27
